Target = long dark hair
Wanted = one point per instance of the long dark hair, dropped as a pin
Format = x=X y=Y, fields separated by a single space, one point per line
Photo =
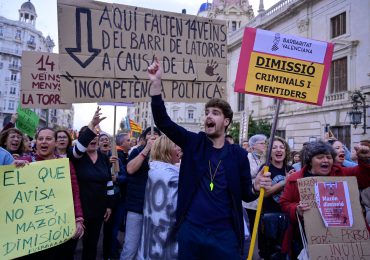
x=287 y=150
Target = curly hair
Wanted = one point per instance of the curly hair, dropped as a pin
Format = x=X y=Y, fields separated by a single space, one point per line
x=315 y=148
x=4 y=136
x=224 y=106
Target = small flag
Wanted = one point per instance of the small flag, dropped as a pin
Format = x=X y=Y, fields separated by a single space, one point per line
x=135 y=127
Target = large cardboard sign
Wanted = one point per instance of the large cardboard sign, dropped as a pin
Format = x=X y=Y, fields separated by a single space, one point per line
x=40 y=84
x=283 y=66
x=334 y=242
x=27 y=121
x=105 y=50
x=36 y=207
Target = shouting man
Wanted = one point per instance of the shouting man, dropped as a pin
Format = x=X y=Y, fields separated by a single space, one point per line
x=214 y=179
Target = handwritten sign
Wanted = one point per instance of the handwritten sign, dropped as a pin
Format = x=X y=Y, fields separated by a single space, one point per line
x=283 y=66
x=334 y=242
x=107 y=48
x=27 y=121
x=37 y=207
x=40 y=84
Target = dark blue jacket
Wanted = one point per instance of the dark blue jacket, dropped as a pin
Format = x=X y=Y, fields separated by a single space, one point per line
x=135 y=192
x=197 y=149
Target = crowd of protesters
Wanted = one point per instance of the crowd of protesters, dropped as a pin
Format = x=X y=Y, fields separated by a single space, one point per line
x=182 y=195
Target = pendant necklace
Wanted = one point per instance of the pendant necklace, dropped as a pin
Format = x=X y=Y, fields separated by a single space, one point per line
x=212 y=177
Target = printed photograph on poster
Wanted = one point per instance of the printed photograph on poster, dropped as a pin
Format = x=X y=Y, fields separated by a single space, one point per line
x=334 y=203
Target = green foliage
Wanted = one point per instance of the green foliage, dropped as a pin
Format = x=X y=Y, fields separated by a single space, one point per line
x=258 y=127
x=234 y=130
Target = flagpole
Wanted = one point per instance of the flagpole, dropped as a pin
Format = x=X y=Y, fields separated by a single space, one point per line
x=151 y=122
x=115 y=167
x=262 y=190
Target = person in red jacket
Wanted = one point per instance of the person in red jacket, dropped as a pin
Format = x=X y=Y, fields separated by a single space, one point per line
x=45 y=147
x=319 y=162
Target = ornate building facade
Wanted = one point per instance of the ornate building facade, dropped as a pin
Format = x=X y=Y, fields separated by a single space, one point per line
x=346 y=23
x=15 y=37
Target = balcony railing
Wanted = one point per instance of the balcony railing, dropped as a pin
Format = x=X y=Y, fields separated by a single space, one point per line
x=14 y=67
x=18 y=38
x=278 y=7
x=337 y=97
x=31 y=44
x=11 y=51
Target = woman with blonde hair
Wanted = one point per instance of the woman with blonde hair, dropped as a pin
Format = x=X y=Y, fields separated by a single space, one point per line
x=157 y=240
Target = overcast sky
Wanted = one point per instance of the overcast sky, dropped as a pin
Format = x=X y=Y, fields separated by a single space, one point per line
x=47 y=23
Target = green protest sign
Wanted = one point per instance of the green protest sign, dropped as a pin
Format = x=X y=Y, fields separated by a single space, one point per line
x=27 y=121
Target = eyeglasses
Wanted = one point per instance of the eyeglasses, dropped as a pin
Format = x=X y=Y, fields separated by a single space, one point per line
x=62 y=137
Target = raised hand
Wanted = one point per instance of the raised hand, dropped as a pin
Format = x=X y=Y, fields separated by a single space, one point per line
x=363 y=152
x=96 y=119
x=155 y=76
x=14 y=118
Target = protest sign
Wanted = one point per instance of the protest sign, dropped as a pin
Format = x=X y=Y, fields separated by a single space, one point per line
x=37 y=207
x=105 y=50
x=283 y=66
x=27 y=121
x=336 y=242
x=334 y=204
x=40 y=84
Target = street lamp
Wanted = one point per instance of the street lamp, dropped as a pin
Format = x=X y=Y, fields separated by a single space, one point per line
x=358 y=102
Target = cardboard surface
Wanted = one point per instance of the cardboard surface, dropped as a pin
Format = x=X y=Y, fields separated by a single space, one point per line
x=40 y=83
x=334 y=242
x=118 y=42
x=37 y=207
x=88 y=90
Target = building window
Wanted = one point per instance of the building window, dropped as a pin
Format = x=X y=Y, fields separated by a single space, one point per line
x=32 y=39
x=175 y=114
x=11 y=105
x=342 y=133
x=1 y=31
x=18 y=34
x=13 y=77
x=338 y=25
x=12 y=90
x=241 y=101
x=190 y=114
x=280 y=133
x=233 y=26
x=338 y=76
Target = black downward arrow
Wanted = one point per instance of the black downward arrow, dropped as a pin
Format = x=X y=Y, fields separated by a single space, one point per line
x=73 y=51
